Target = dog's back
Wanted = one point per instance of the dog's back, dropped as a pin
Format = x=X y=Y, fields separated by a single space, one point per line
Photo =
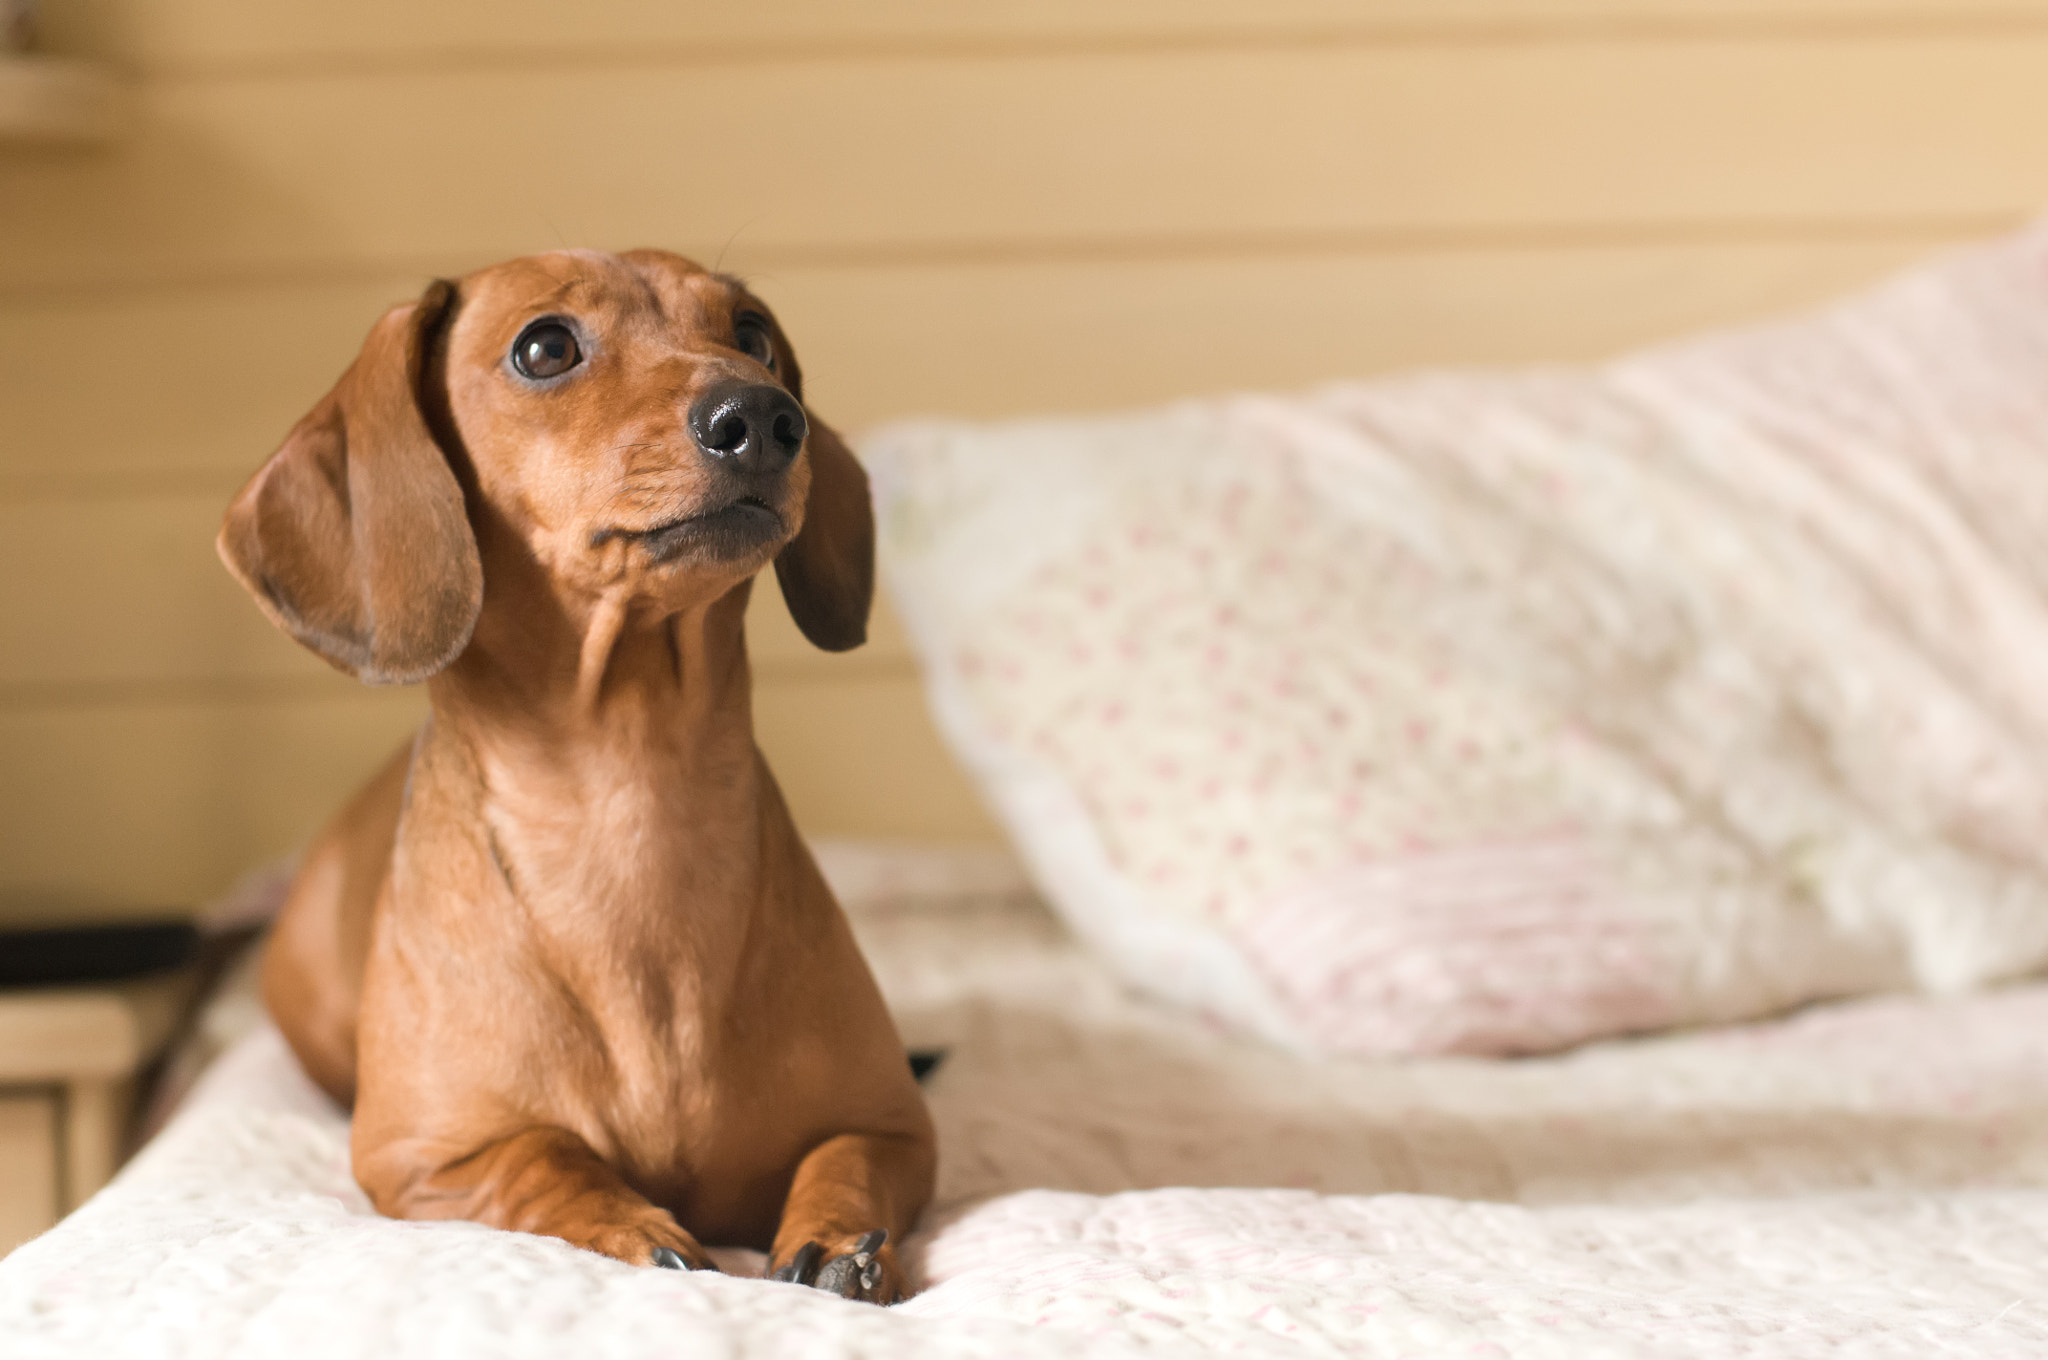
x=313 y=968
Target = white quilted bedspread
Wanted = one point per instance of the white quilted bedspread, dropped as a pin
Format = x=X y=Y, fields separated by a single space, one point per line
x=1866 y=1180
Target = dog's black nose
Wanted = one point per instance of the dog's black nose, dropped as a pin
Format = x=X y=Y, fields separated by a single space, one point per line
x=755 y=426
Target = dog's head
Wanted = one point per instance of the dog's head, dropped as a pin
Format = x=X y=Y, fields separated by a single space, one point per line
x=634 y=421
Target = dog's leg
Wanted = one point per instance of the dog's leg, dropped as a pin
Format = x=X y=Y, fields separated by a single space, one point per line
x=542 y=1180
x=848 y=1201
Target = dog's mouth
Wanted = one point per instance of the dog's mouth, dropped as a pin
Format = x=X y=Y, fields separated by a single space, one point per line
x=733 y=530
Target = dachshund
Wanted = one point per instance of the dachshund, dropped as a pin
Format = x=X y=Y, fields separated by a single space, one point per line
x=566 y=955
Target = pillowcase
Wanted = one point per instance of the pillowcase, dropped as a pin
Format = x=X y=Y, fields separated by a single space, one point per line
x=1490 y=712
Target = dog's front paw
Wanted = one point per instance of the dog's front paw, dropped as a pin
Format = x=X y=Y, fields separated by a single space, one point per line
x=863 y=1268
x=651 y=1243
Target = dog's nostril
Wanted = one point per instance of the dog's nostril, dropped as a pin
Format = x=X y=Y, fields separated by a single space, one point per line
x=727 y=433
x=786 y=432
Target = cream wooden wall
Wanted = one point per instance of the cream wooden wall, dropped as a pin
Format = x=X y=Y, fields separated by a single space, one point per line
x=1011 y=206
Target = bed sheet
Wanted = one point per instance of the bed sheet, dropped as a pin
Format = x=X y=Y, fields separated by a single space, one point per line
x=1117 y=1179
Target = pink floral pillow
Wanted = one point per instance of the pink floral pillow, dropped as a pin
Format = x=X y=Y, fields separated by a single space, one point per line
x=1494 y=712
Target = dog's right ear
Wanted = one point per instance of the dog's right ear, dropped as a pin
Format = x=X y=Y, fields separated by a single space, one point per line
x=353 y=537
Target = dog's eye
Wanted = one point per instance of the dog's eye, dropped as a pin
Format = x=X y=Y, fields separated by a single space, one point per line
x=545 y=349
x=750 y=336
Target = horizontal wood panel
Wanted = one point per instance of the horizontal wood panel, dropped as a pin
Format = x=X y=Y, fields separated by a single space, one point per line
x=211 y=34
x=141 y=807
x=129 y=590
x=858 y=756
x=869 y=161
x=51 y=101
x=983 y=341
x=209 y=380
x=182 y=390
x=132 y=808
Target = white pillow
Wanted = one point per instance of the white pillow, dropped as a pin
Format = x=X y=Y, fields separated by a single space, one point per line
x=1490 y=712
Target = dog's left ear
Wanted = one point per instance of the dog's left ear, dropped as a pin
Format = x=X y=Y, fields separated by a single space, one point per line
x=828 y=570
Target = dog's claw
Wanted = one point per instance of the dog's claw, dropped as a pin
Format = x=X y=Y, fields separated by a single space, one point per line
x=668 y=1258
x=801 y=1268
x=855 y=1274
x=867 y=1262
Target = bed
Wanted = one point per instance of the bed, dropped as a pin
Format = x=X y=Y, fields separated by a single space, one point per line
x=1121 y=1178
x=1823 y=655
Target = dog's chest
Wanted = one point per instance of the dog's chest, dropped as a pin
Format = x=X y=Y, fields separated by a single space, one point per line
x=692 y=1089
x=652 y=945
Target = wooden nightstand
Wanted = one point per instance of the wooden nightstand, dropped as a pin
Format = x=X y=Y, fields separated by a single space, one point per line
x=68 y=1061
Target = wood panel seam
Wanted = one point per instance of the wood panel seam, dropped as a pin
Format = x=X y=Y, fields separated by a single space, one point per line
x=121 y=484
x=1133 y=248
x=1387 y=33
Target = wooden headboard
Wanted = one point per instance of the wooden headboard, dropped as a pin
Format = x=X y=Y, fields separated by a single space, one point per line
x=1002 y=207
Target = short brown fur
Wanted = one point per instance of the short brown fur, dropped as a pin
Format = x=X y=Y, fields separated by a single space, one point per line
x=566 y=954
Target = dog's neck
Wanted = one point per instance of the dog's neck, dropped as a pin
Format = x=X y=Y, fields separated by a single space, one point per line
x=612 y=751
x=583 y=668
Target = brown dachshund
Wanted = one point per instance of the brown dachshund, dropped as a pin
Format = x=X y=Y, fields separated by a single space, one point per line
x=566 y=955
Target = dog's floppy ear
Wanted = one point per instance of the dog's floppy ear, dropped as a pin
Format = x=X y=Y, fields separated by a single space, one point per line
x=828 y=569
x=353 y=537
